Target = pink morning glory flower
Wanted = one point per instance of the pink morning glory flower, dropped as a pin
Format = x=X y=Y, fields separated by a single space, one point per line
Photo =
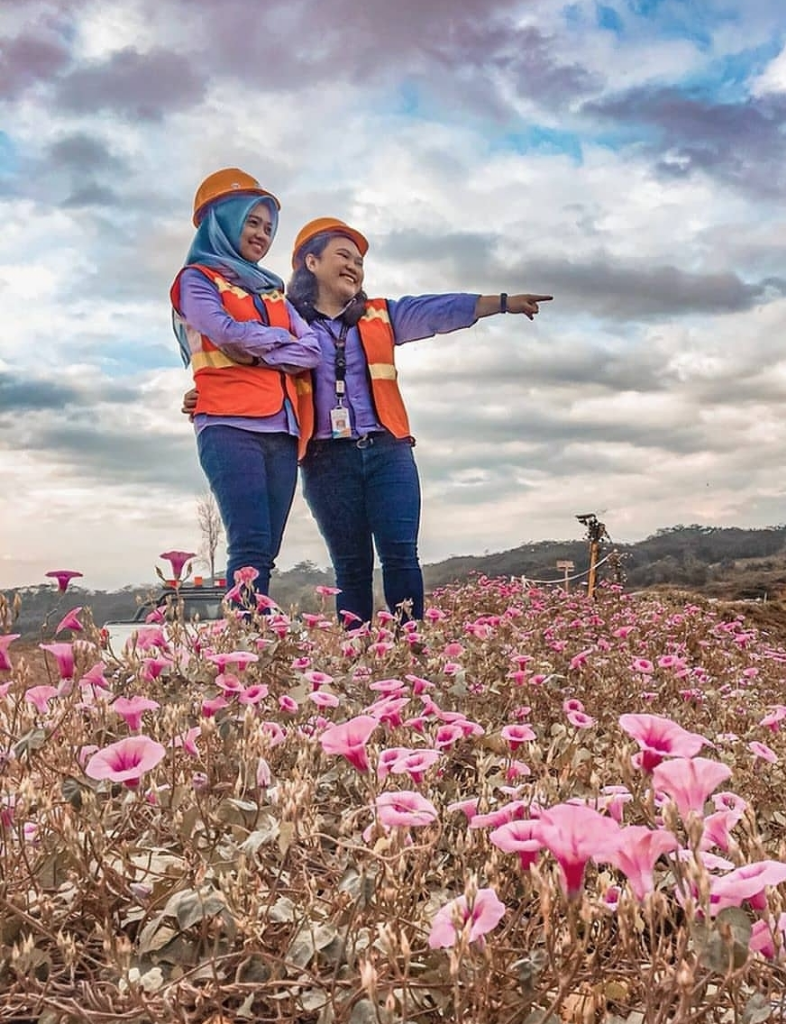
x=572 y=704
x=447 y=735
x=689 y=781
x=517 y=734
x=763 y=752
x=453 y=650
x=264 y=774
x=177 y=559
x=64 y=656
x=717 y=830
x=253 y=694
x=323 y=699
x=317 y=679
x=381 y=648
x=580 y=659
x=125 y=761
x=264 y=603
x=574 y=833
x=95 y=677
x=210 y=705
x=153 y=667
x=728 y=801
x=746 y=884
x=388 y=710
x=131 y=709
x=349 y=740
x=579 y=720
x=516 y=770
x=434 y=615
x=772 y=720
x=419 y=685
x=71 y=621
x=63 y=577
x=762 y=936
x=404 y=808
x=5 y=643
x=273 y=732
x=288 y=704
x=388 y=757
x=660 y=737
x=612 y=800
x=415 y=764
x=481 y=915
x=229 y=683
x=148 y=637
x=520 y=837
x=493 y=819
x=389 y=687
x=187 y=740
x=469 y=808
x=324 y=591
x=634 y=851
x=40 y=696
x=226 y=658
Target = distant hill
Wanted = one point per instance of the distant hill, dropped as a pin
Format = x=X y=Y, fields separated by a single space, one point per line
x=728 y=563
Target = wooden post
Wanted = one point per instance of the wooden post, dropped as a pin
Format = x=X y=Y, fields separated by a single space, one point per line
x=593 y=562
x=596 y=532
x=567 y=567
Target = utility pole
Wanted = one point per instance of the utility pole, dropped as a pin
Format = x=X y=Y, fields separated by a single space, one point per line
x=596 y=533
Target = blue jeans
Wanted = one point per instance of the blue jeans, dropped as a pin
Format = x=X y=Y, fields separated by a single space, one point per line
x=253 y=477
x=361 y=497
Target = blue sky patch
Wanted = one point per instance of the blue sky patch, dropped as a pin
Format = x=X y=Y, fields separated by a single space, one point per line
x=609 y=19
x=538 y=138
x=8 y=159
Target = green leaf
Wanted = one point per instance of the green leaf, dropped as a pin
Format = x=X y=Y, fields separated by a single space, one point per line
x=71 y=789
x=757 y=1009
x=32 y=740
x=726 y=945
x=194 y=907
x=313 y=998
x=364 y=1012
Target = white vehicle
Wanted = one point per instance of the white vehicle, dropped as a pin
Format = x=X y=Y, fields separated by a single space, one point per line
x=189 y=604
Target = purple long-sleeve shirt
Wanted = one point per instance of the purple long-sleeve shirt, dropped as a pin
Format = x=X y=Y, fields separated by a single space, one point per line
x=412 y=318
x=202 y=309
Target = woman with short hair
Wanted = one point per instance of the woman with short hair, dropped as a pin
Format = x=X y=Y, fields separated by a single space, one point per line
x=360 y=479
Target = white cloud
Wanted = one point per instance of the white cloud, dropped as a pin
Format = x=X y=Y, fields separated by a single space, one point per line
x=773 y=78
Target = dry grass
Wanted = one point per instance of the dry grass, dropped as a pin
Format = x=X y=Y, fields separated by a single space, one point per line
x=205 y=894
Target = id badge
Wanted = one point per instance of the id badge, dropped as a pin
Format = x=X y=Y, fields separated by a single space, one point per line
x=339 y=422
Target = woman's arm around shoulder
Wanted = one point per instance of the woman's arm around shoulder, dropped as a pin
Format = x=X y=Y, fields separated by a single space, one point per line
x=247 y=341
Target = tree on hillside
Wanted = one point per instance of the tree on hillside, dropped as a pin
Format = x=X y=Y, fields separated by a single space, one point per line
x=210 y=527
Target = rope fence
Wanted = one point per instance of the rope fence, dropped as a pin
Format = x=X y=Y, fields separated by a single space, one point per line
x=526 y=581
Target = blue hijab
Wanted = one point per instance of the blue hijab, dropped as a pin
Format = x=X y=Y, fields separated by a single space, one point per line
x=216 y=244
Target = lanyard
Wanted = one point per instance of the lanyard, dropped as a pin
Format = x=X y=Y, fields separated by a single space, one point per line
x=340 y=360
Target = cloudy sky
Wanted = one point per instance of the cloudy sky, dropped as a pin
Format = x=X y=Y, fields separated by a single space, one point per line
x=628 y=156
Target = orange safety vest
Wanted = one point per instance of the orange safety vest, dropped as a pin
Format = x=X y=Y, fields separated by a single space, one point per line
x=379 y=346
x=227 y=388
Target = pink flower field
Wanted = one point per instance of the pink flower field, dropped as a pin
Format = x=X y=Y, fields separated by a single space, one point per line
x=529 y=808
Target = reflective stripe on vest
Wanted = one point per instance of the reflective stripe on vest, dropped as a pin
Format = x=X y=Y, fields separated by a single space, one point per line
x=379 y=345
x=228 y=388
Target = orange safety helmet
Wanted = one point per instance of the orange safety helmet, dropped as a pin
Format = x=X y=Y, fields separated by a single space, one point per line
x=332 y=224
x=226 y=182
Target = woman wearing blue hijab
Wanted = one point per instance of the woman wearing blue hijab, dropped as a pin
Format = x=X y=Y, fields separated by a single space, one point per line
x=245 y=344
